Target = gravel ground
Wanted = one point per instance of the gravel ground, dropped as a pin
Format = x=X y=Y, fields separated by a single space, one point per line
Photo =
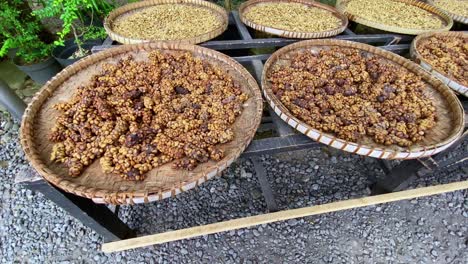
x=425 y=230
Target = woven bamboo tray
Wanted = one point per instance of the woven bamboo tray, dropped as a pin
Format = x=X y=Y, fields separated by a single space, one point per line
x=416 y=56
x=134 y=7
x=449 y=126
x=448 y=22
x=293 y=34
x=161 y=182
x=454 y=16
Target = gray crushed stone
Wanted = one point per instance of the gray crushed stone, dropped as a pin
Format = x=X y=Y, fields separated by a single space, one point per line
x=426 y=230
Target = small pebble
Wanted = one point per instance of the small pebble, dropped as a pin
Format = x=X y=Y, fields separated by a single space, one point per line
x=40 y=232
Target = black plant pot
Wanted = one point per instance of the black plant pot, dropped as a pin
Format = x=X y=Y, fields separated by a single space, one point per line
x=12 y=53
x=97 y=22
x=40 y=72
x=63 y=53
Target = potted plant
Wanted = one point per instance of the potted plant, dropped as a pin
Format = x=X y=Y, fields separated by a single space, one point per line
x=68 y=51
x=79 y=20
x=22 y=32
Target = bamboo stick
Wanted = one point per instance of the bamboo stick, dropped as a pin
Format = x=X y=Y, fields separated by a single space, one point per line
x=279 y=216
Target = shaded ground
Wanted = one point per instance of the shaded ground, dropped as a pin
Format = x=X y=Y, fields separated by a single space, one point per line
x=426 y=230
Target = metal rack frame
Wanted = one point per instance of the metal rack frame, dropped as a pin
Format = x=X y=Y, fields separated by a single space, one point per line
x=106 y=221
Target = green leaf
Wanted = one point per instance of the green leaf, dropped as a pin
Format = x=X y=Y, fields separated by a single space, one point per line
x=5 y=47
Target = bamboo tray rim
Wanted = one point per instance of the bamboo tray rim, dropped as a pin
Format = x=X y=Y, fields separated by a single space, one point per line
x=381 y=152
x=289 y=33
x=190 y=180
x=418 y=58
x=132 y=7
x=342 y=4
x=456 y=17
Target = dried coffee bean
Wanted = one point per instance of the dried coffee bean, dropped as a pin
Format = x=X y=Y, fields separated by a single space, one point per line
x=349 y=106
x=340 y=82
x=133 y=94
x=447 y=54
x=292 y=16
x=229 y=99
x=133 y=174
x=394 y=13
x=389 y=89
x=174 y=21
x=300 y=102
x=130 y=117
x=181 y=90
x=133 y=139
x=349 y=92
x=381 y=98
x=329 y=90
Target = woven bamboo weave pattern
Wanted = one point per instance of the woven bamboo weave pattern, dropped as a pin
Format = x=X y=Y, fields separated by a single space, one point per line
x=134 y=7
x=425 y=64
x=293 y=34
x=449 y=110
x=161 y=182
x=447 y=20
x=455 y=17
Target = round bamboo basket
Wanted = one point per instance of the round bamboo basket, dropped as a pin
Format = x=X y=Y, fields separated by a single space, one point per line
x=450 y=114
x=293 y=34
x=161 y=182
x=416 y=56
x=455 y=17
x=135 y=7
x=447 y=20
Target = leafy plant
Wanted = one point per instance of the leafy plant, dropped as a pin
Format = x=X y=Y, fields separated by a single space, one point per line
x=73 y=13
x=22 y=31
x=94 y=32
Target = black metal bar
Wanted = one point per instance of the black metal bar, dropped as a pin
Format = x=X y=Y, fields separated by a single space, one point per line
x=399 y=49
x=11 y=101
x=261 y=57
x=231 y=19
x=282 y=128
x=95 y=216
x=438 y=158
x=279 y=42
x=402 y=48
x=266 y=119
x=348 y=31
x=398 y=178
x=108 y=41
x=279 y=144
x=243 y=31
x=266 y=127
x=259 y=169
x=248 y=43
x=385 y=165
x=260 y=172
x=395 y=40
x=106 y=223
x=401 y=176
x=270 y=42
x=459 y=160
x=257 y=70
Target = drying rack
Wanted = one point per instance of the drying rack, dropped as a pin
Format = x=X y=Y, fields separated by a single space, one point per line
x=236 y=42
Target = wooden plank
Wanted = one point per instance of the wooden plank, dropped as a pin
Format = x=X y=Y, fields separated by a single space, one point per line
x=278 y=216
